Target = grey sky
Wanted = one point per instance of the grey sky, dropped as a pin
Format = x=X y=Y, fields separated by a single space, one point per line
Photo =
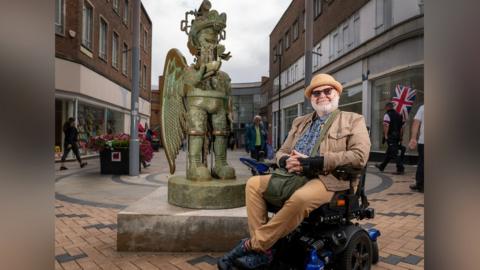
x=249 y=24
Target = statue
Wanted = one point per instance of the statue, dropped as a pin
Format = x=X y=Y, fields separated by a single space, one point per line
x=196 y=101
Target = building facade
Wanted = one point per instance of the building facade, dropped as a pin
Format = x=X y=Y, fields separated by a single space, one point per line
x=246 y=102
x=93 y=69
x=370 y=46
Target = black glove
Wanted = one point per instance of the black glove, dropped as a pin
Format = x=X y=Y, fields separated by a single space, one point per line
x=283 y=161
x=312 y=166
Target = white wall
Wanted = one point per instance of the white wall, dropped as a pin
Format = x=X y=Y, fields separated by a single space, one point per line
x=404 y=9
x=76 y=78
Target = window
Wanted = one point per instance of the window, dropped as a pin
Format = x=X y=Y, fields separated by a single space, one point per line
x=59 y=16
x=87 y=23
x=145 y=40
x=346 y=36
x=125 y=12
x=115 y=50
x=140 y=77
x=125 y=59
x=145 y=76
x=304 y=20
x=102 y=39
x=295 y=30
x=379 y=13
x=317 y=7
x=334 y=45
x=280 y=47
x=339 y=43
x=116 y=6
x=356 y=29
x=287 y=39
x=274 y=54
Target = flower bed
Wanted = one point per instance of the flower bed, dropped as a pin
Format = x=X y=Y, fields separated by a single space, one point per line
x=120 y=141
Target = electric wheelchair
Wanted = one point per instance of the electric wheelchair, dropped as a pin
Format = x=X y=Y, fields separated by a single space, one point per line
x=330 y=234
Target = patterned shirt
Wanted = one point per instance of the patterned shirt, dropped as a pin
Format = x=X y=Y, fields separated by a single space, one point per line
x=310 y=137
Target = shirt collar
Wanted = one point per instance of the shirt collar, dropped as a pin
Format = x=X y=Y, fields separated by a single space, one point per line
x=322 y=119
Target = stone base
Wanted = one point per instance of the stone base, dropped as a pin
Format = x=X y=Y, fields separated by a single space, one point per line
x=214 y=194
x=151 y=224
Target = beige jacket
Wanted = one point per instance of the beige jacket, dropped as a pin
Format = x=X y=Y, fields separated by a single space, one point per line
x=346 y=143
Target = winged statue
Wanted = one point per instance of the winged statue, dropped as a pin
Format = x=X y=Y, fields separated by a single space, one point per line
x=195 y=99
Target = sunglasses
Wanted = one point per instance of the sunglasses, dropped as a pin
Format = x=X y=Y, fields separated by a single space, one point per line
x=318 y=93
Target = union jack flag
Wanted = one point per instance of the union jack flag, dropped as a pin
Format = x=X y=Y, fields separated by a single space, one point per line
x=403 y=100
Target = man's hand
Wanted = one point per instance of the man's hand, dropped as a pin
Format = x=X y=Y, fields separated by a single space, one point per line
x=293 y=164
x=412 y=144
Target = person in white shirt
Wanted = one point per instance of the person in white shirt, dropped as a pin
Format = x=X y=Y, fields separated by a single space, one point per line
x=417 y=132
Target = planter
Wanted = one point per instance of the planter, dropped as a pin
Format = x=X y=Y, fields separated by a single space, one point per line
x=155 y=144
x=115 y=161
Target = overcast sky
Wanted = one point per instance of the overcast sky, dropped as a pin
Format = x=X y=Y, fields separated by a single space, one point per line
x=249 y=24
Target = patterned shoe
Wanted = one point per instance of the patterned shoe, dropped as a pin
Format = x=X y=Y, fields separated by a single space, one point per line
x=254 y=260
x=226 y=262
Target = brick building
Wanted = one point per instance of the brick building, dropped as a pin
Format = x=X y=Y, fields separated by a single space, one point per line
x=93 y=69
x=370 y=46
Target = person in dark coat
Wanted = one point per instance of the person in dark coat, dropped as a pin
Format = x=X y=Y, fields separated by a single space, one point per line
x=71 y=143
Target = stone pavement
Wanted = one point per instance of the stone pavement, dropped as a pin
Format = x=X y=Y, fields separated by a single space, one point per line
x=87 y=204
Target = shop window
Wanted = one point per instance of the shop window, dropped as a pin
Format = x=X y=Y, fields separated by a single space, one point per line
x=383 y=90
x=115 y=122
x=91 y=122
x=351 y=99
x=290 y=114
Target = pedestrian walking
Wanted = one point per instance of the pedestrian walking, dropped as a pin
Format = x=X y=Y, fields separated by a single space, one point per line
x=417 y=140
x=70 y=143
x=392 y=135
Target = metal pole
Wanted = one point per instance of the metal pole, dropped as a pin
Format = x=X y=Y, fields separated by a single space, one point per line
x=134 y=151
x=279 y=142
x=307 y=107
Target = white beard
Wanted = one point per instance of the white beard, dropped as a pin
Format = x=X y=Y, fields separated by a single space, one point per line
x=326 y=108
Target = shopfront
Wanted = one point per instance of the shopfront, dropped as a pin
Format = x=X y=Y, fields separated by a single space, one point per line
x=92 y=119
x=383 y=90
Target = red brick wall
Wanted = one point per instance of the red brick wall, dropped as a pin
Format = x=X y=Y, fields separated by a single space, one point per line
x=68 y=47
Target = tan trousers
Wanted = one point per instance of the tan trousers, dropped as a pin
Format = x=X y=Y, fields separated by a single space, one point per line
x=263 y=234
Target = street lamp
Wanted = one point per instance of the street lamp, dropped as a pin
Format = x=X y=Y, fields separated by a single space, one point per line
x=279 y=56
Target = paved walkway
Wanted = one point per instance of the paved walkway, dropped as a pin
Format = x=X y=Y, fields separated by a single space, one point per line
x=87 y=204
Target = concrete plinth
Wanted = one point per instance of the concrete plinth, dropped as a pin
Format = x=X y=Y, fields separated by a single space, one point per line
x=214 y=194
x=151 y=224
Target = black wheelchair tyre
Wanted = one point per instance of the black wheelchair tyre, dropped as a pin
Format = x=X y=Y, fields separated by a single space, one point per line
x=375 y=255
x=358 y=254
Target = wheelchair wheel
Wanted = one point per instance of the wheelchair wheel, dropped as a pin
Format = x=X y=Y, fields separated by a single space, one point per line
x=374 y=252
x=358 y=254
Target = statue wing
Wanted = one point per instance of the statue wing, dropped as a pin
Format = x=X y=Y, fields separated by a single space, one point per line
x=173 y=109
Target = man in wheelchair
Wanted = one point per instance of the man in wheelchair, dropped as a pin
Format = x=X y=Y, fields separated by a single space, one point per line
x=321 y=150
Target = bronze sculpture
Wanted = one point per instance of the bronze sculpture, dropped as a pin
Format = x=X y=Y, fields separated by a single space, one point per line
x=196 y=99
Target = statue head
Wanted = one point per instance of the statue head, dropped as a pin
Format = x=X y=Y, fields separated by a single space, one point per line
x=205 y=32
